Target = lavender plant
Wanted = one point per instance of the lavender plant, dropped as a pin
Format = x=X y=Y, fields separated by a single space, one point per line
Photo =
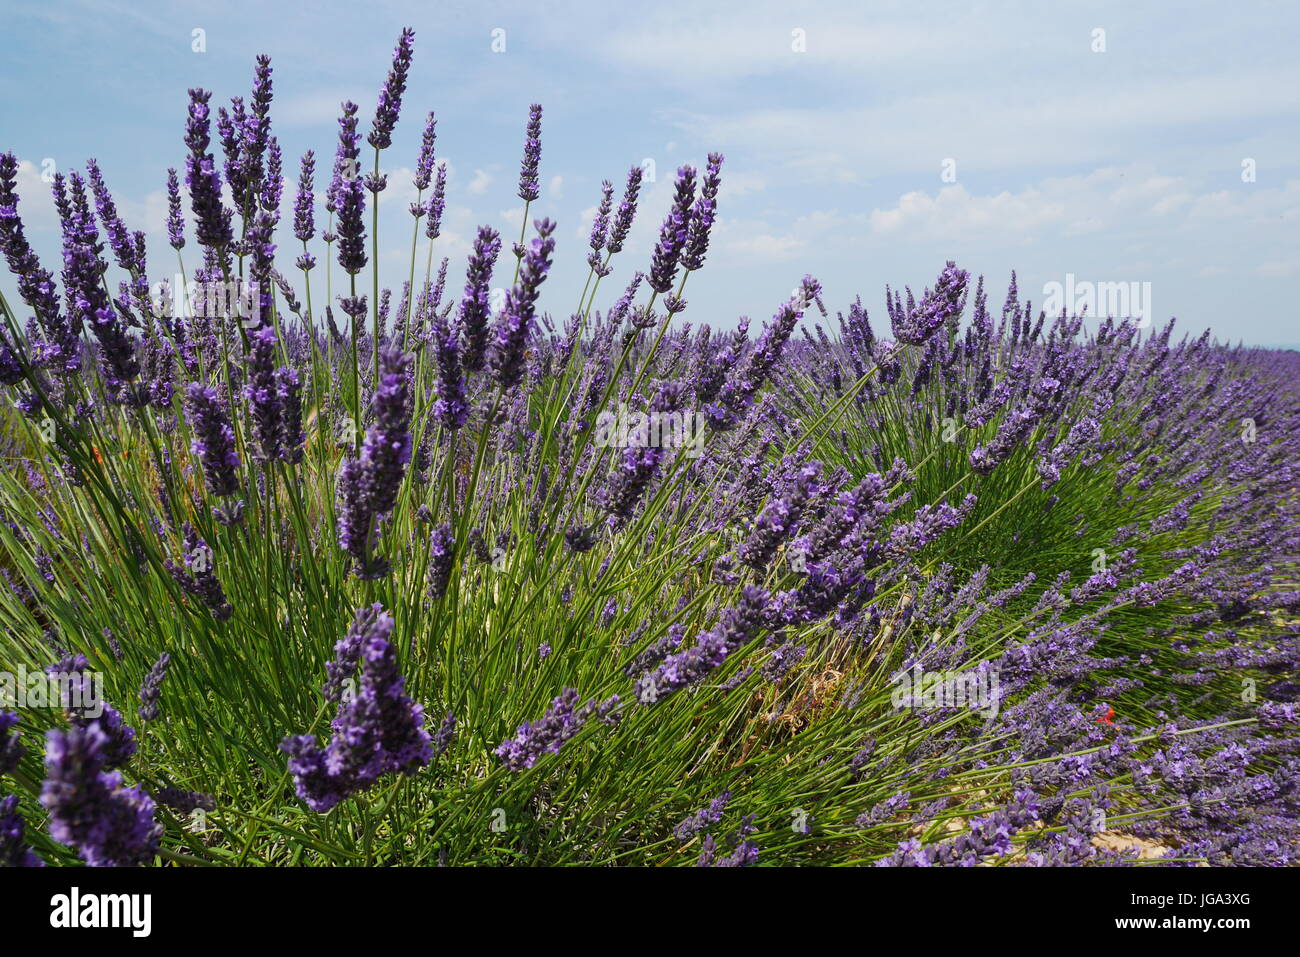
x=748 y=607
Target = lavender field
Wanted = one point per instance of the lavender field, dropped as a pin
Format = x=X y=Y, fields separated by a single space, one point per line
x=346 y=564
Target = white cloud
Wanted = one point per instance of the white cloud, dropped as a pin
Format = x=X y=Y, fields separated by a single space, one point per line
x=35 y=201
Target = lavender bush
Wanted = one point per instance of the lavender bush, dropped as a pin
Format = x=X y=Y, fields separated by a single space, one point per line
x=293 y=528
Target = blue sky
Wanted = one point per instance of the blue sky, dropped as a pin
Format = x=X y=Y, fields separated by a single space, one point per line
x=1117 y=166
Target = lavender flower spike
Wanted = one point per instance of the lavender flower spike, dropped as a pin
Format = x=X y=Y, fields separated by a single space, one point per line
x=507 y=357
x=11 y=748
x=626 y=211
x=673 y=233
x=349 y=195
x=77 y=692
x=379 y=731
x=263 y=395
x=211 y=218
x=387 y=447
x=473 y=318
x=450 y=408
x=370 y=622
x=214 y=440
x=424 y=165
x=546 y=735
x=304 y=204
x=152 y=688
x=442 y=556
x=529 y=188
x=289 y=389
x=13 y=852
x=702 y=215
x=108 y=824
x=390 y=97
x=198 y=578
x=175 y=214
x=937 y=306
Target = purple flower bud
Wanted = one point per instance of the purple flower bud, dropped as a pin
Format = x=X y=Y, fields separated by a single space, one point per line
x=424 y=165
x=390 y=96
x=626 y=211
x=108 y=824
x=175 y=214
x=516 y=321
x=528 y=185
x=673 y=233
x=304 y=205
x=474 y=307
x=214 y=440
x=11 y=747
x=152 y=688
x=941 y=305
x=378 y=731
x=442 y=554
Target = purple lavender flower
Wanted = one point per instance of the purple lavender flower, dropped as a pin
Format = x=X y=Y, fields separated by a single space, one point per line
x=11 y=747
x=11 y=370
x=379 y=731
x=778 y=520
x=214 y=440
x=673 y=233
x=369 y=622
x=184 y=802
x=639 y=466
x=109 y=825
x=263 y=394
x=737 y=627
x=474 y=307
x=442 y=554
x=83 y=270
x=119 y=237
x=13 y=852
x=737 y=394
x=78 y=695
x=703 y=819
x=743 y=853
x=579 y=538
x=304 y=204
x=702 y=215
x=529 y=189
x=600 y=228
x=424 y=165
x=512 y=329
x=445 y=735
x=289 y=389
x=349 y=194
x=197 y=576
x=211 y=218
x=626 y=211
x=387 y=446
x=152 y=688
x=175 y=213
x=944 y=304
x=450 y=407
x=356 y=532
x=547 y=735
x=437 y=203
x=390 y=97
